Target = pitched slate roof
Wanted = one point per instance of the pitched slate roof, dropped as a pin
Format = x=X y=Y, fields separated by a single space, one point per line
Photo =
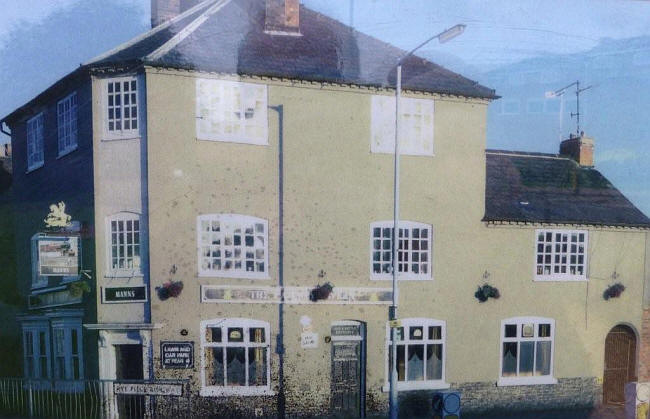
x=549 y=188
x=228 y=36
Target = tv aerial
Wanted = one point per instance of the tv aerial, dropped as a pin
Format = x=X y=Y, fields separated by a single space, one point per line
x=561 y=92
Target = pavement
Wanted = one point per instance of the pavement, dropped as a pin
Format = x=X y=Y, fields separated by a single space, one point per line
x=601 y=412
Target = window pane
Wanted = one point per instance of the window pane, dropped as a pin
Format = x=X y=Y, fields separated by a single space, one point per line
x=257 y=335
x=415 y=333
x=214 y=366
x=434 y=362
x=544 y=330
x=526 y=358
x=236 y=366
x=257 y=366
x=543 y=358
x=435 y=332
x=527 y=330
x=509 y=359
x=511 y=330
x=235 y=334
x=416 y=362
x=213 y=334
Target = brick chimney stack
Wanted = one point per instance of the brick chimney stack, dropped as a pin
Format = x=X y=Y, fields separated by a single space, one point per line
x=164 y=10
x=579 y=148
x=282 y=17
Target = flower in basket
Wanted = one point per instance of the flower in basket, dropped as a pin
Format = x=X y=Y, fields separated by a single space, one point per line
x=321 y=292
x=486 y=291
x=614 y=291
x=169 y=289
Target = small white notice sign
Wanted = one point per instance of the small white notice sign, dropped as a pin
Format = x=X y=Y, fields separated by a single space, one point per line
x=309 y=340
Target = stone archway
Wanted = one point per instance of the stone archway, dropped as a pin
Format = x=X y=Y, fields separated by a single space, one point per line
x=620 y=363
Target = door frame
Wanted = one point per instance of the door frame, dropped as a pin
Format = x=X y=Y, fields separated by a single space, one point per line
x=363 y=339
x=637 y=343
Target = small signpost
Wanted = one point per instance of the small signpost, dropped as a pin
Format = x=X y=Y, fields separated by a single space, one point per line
x=179 y=355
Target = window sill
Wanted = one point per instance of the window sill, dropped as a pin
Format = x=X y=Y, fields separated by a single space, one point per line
x=124 y=274
x=35 y=167
x=120 y=138
x=234 y=141
x=66 y=152
x=417 y=385
x=238 y=275
x=560 y=278
x=401 y=278
x=236 y=391
x=525 y=381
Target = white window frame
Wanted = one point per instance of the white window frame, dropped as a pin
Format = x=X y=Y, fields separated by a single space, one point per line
x=410 y=225
x=234 y=220
x=67 y=124
x=34 y=329
x=122 y=133
x=245 y=324
x=123 y=216
x=211 y=103
x=35 y=142
x=415 y=140
x=66 y=326
x=425 y=323
x=567 y=276
x=520 y=321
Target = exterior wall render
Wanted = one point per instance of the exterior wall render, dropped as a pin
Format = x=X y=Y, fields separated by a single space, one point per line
x=333 y=189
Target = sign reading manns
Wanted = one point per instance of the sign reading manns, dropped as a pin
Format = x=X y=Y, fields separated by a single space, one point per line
x=125 y=294
x=177 y=354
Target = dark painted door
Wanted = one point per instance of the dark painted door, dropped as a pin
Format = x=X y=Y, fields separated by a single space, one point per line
x=620 y=362
x=128 y=363
x=347 y=396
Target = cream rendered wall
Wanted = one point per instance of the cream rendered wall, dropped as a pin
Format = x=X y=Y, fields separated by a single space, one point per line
x=334 y=189
x=117 y=177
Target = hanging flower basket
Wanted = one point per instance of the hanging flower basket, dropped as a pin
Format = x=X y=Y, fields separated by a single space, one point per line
x=169 y=289
x=614 y=291
x=486 y=291
x=77 y=288
x=321 y=292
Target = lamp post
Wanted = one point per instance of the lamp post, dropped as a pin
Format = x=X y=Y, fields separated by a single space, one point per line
x=442 y=37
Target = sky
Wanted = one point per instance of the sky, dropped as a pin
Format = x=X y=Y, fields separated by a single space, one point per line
x=42 y=40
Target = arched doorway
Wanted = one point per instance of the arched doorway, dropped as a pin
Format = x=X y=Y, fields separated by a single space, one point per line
x=620 y=363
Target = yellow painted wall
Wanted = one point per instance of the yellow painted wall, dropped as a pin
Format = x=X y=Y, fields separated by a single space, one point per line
x=334 y=189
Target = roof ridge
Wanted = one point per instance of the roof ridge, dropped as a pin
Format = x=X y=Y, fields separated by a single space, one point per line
x=186 y=31
x=533 y=154
x=148 y=33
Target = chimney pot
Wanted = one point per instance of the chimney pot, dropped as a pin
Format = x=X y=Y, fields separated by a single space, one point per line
x=579 y=148
x=282 y=17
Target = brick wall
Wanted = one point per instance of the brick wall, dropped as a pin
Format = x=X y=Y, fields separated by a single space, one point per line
x=486 y=397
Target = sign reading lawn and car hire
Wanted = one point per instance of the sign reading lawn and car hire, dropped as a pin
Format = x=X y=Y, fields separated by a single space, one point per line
x=177 y=354
x=58 y=256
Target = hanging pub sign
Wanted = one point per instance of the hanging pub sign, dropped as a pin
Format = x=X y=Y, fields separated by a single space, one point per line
x=58 y=256
x=177 y=354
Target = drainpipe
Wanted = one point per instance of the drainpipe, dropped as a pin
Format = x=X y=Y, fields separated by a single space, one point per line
x=280 y=339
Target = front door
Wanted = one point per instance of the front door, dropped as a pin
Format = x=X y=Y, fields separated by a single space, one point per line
x=348 y=381
x=128 y=366
x=620 y=363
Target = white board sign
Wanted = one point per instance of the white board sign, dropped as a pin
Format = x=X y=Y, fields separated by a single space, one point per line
x=309 y=340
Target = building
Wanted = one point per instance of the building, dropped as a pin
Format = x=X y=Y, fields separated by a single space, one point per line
x=232 y=169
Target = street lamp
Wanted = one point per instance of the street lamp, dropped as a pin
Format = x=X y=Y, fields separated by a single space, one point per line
x=442 y=37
